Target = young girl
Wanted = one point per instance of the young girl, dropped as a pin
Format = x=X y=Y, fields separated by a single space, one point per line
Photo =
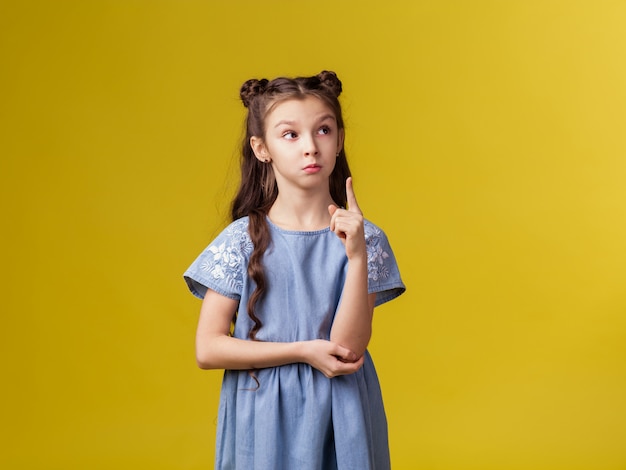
x=289 y=290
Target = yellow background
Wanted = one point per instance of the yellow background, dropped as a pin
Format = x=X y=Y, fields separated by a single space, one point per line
x=486 y=137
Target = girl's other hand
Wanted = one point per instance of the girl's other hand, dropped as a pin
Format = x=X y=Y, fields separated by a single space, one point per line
x=330 y=358
x=348 y=224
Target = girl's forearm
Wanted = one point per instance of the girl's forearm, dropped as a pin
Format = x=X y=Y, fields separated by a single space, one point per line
x=227 y=352
x=352 y=326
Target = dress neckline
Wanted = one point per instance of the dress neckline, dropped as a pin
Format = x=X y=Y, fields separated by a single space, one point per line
x=296 y=232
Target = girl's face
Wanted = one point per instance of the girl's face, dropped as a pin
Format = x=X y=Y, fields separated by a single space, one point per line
x=301 y=141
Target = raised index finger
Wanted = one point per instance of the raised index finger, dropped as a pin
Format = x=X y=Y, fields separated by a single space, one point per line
x=352 y=204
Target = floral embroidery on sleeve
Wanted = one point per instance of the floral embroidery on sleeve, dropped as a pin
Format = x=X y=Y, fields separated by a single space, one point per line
x=376 y=255
x=224 y=258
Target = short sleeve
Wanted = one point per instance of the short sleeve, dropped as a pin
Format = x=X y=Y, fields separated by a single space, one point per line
x=222 y=265
x=383 y=275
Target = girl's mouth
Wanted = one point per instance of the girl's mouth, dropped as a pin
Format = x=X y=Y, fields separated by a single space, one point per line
x=313 y=168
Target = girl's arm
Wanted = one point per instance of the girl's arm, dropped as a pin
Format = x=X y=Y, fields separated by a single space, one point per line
x=216 y=349
x=352 y=327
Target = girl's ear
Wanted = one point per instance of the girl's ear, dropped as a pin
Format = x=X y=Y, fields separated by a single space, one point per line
x=340 y=137
x=259 y=149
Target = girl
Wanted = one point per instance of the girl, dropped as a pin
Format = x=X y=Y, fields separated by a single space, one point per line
x=289 y=290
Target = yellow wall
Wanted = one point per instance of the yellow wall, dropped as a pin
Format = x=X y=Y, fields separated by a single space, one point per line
x=486 y=137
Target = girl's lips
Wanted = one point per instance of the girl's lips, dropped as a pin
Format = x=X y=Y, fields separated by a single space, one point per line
x=310 y=169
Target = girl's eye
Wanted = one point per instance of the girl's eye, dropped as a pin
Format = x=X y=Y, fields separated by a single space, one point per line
x=290 y=135
x=324 y=130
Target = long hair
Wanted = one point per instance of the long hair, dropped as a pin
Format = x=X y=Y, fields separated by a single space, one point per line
x=258 y=190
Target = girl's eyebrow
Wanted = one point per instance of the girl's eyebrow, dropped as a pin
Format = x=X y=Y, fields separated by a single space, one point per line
x=284 y=122
x=289 y=122
x=326 y=117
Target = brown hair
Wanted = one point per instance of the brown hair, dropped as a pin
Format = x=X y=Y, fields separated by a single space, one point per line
x=258 y=191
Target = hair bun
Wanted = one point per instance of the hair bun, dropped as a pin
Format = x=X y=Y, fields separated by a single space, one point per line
x=331 y=81
x=251 y=89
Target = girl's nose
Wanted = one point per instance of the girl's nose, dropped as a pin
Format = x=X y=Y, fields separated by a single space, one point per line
x=310 y=147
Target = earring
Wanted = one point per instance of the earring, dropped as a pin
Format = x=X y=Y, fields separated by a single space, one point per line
x=337 y=156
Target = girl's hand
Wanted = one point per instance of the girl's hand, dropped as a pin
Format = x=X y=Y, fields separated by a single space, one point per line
x=348 y=225
x=330 y=358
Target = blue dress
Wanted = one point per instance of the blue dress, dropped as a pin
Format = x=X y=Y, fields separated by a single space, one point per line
x=297 y=419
